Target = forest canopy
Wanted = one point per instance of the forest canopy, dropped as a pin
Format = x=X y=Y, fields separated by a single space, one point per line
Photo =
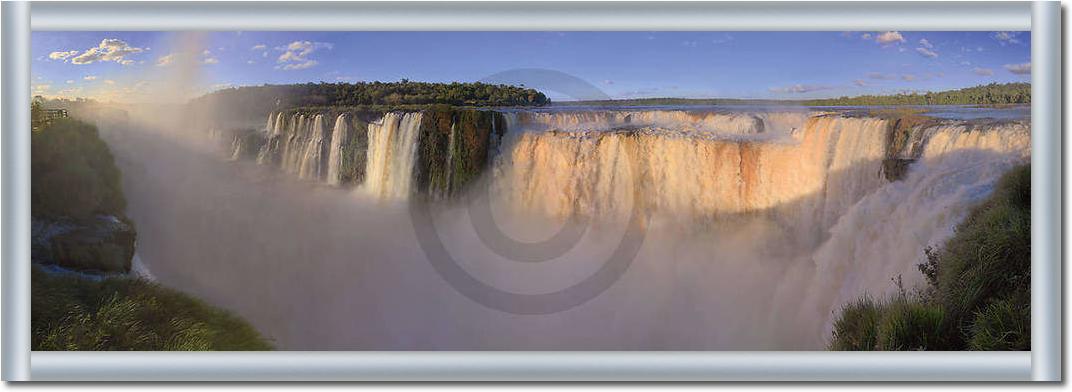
x=403 y=92
x=990 y=94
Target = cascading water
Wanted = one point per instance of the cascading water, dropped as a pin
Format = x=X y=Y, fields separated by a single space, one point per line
x=299 y=144
x=882 y=235
x=799 y=204
x=392 y=152
x=340 y=135
x=592 y=173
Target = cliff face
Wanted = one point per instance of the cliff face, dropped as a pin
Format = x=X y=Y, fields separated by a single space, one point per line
x=432 y=152
x=455 y=146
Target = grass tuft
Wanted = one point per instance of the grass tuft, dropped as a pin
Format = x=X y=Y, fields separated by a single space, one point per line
x=69 y=312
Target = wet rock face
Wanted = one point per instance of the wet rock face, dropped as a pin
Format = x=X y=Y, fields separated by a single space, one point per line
x=103 y=244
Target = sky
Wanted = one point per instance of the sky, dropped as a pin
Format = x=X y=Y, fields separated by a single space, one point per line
x=136 y=66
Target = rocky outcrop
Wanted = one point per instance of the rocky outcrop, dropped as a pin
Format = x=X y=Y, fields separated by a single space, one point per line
x=103 y=244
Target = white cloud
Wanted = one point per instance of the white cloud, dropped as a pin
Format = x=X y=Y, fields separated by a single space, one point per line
x=70 y=82
x=926 y=53
x=889 y=37
x=166 y=60
x=109 y=49
x=297 y=66
x=296 y=54
x=983 y=71
x=860 y=83
x=259 y=47
x=866 y=36
x=109 y=81
x=926 y=44
x=62 y=55
x=250 y=62
x=210 y=60
x=1006 y=37
x=1019 y=69
x=90 y=77
x=799 y=88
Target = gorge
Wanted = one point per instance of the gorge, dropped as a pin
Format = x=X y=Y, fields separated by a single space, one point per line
x=760 y=222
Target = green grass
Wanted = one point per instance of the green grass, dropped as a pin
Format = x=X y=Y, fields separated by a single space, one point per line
x=857 y=328
x=978 y=295
x=69 y=312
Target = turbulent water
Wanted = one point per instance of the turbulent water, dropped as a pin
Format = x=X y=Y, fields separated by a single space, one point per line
x=758 y=225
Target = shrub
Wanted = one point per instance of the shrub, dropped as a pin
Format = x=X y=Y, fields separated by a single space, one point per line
x=857 y=328
x=910 y=325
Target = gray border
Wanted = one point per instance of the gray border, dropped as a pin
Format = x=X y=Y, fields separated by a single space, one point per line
x=530 y=15
x=16 y=190
x=532 y=366
x=1043 y=363
x=1046 y=190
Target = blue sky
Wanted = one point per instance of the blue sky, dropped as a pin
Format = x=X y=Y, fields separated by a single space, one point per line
x=126 y=66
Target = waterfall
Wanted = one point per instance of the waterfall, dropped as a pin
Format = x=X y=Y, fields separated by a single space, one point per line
x=311 y=158
x=392 y=152
x=762 y=224
x=298 y=144
x=567 y=173
x=272 y=133
x=723 y=123
x=340 y=135
x=882 y=235
x=236 y=148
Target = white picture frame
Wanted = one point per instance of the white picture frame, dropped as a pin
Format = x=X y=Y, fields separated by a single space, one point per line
x=1042 y=363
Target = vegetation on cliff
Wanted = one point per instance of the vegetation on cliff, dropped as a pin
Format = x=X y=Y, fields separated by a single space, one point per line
x=454 y=146
x=978 y=295
x=73 y=172
x=70 y=312
x=78 y=223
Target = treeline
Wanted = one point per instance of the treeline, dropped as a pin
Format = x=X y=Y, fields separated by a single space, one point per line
x=382 y=93
x=247 y=103
x=674 y=102
x=990 y=94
